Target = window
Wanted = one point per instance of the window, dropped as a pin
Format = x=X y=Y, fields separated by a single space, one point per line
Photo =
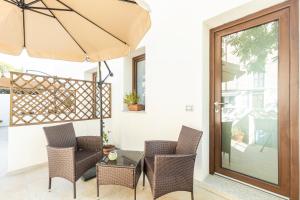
x=259 y=80
x=138 y=77
x=258 y=101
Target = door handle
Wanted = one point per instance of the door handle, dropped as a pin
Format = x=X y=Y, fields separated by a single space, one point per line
x=217 y=104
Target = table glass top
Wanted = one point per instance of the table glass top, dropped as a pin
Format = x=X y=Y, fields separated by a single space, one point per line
x=125 y=159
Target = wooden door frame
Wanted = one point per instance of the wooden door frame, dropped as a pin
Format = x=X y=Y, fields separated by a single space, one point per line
x=293 y=6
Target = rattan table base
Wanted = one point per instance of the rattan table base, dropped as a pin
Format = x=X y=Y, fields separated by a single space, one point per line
x=125 y=174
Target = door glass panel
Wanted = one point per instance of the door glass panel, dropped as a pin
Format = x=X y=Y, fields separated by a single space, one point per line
x=250 y=102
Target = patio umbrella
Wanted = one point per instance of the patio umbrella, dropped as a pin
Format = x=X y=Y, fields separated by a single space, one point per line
x=73 y=30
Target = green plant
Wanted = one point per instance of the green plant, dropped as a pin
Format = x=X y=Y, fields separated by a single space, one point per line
x=105 y=137
x=253 y=46
x=131 y=98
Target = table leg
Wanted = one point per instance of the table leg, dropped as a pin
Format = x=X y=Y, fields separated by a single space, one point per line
x=97 y=191
x=135 y=193
x=97 y=182
x=134 y=184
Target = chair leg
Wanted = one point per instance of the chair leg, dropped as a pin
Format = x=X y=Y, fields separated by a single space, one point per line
x=49 y=186
x=192 y=195
x=74 y=190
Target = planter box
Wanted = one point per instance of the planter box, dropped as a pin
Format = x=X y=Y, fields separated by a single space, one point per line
x=136 y=107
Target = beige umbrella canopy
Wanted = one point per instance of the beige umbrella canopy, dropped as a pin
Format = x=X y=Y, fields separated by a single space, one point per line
x=73 y=30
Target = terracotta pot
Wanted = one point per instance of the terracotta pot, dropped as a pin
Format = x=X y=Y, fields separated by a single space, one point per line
x=108 y=148
x=239 y=138
x=136 y=107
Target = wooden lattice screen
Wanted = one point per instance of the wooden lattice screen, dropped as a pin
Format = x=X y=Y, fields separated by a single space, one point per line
x=39 y=99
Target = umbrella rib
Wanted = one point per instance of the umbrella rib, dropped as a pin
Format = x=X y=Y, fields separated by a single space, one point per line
x=65 y=29
x=58 y=9
x=128 y=1
x=33 y=2
x=40 y=12
x=92 y=22
x=24 y=32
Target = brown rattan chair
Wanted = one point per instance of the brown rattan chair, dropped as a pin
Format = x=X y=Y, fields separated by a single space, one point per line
x=169 y=166
x=69 y=156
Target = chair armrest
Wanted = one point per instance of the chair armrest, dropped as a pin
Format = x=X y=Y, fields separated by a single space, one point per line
x=157 y=147
x=61 y=162
x=174 y=165
x=91 y=143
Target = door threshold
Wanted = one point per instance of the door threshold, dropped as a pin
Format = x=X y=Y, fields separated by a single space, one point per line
x=239 y=190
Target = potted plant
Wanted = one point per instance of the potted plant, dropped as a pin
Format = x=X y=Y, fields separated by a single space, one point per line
x=132 y=101
x=238 y=135
x=107 y=148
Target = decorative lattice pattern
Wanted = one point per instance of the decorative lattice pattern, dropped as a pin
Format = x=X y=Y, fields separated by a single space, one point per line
x=39 y=99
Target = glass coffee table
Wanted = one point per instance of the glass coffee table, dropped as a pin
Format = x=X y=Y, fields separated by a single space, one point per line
x=124 y=171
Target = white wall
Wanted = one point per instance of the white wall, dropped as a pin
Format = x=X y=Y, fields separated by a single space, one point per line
x=177 y=50
x=27 y=144
x=4 y=109
x=177 y=72
x=52 y=67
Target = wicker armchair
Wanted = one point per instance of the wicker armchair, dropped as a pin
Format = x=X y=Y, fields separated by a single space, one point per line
x=70 y=156
x=169 y=166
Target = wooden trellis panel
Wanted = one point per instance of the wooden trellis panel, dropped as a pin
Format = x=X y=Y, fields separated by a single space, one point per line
x=37 y=99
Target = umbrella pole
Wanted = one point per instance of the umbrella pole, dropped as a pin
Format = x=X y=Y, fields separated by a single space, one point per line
x=91 y=173
x=100 y=83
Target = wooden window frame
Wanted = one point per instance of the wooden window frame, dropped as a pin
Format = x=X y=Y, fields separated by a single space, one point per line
x=135 y=61
x=293 y=7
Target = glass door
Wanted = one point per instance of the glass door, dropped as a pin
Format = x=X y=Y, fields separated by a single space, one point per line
x=251 y=104
x=249 y=108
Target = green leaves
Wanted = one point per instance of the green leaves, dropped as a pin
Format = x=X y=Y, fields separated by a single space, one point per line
x=131 y=98
x=254 y=45
x=105 y=137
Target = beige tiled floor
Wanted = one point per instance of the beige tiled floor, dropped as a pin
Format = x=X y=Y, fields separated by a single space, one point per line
x=33 y=185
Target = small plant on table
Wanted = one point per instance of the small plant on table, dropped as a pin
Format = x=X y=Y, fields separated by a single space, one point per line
x=107 y=148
